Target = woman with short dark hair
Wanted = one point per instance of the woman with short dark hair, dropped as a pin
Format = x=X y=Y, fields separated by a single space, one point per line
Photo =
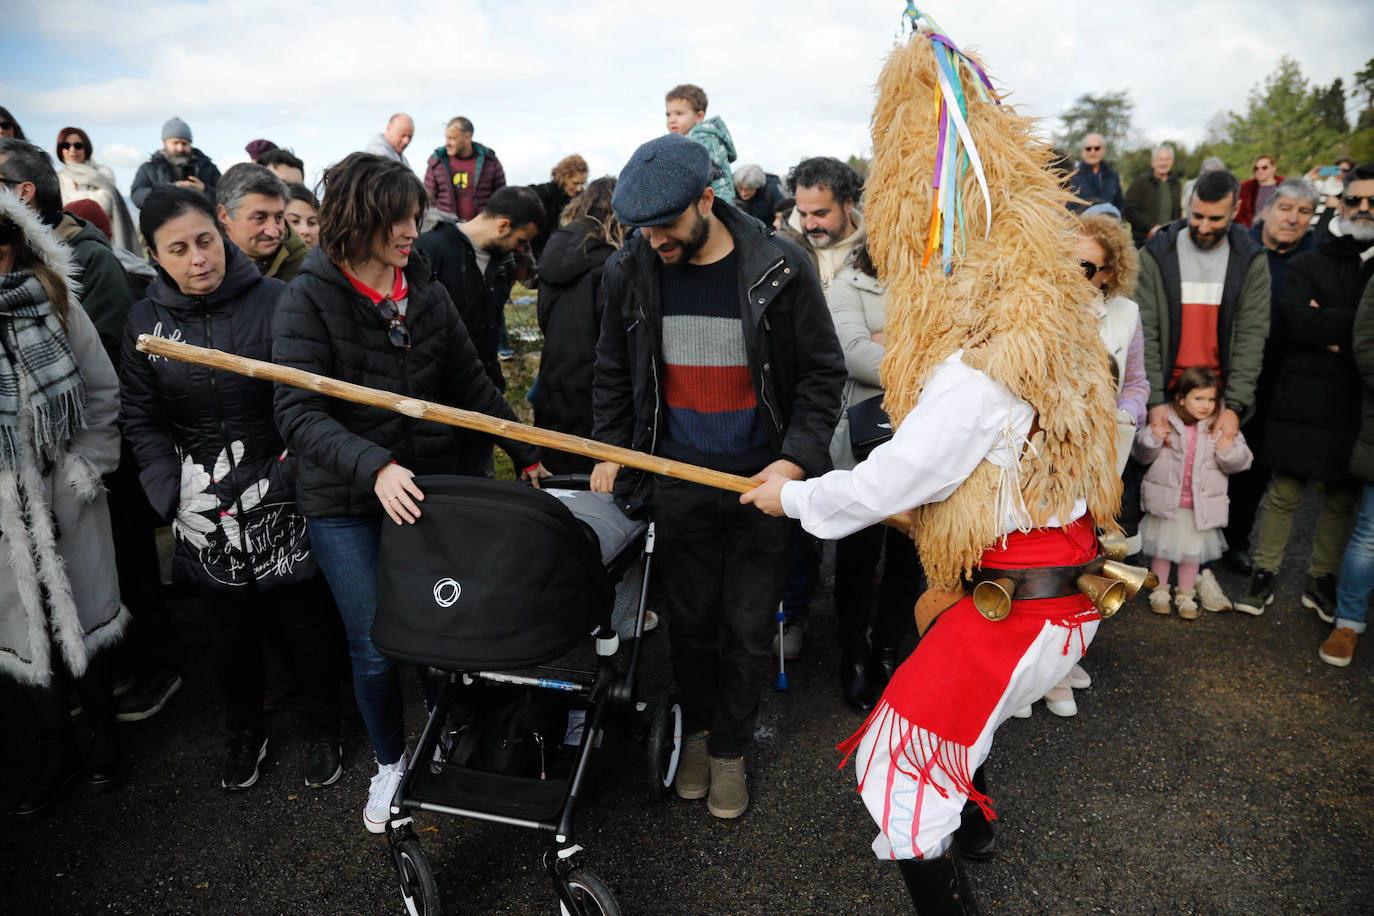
x=82 y=178
x=362 y=310
x=211 y=460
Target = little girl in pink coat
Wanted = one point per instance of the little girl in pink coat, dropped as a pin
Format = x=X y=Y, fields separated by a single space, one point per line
x=1184 y=491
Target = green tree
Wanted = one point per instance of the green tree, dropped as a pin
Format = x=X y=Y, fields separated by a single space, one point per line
x=1329 y=104
x=1364 y=86
x=1108 y=114
x=1284 y=119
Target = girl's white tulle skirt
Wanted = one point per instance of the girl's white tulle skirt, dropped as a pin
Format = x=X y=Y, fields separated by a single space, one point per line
x=1178 y=539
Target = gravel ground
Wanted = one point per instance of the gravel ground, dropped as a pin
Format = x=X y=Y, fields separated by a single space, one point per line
x=1214 y=767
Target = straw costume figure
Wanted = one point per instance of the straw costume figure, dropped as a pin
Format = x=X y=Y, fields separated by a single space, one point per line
x=998 y=385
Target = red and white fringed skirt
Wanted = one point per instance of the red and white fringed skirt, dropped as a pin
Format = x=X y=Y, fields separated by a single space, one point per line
x=916 y=755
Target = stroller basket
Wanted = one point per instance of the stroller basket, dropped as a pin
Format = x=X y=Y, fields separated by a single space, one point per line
x=493 y=575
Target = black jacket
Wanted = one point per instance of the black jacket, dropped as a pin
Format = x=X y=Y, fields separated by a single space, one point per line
x=570 y=318
x=480 y=298
x=157 y=171
x=324 y=325
x=1142 y=204
x=1315 y=415
x=794 y=356
x=206 y=443
x=1100 y=187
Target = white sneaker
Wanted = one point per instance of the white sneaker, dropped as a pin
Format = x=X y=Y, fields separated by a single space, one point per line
x=650 y=620
x=1187 y=607
x=793 y=640
x=1059 y=700
x=1023 y=713
x=1209 y=593
x=380 y=793
x=1078 y=678
x=1159 y=600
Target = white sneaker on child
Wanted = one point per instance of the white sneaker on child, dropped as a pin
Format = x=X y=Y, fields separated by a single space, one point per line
x=1159 y=599
x=1078 y=678
x=1209 y=593
x=380 y=793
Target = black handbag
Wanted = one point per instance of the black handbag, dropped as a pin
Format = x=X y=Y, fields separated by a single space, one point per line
x=869 y=426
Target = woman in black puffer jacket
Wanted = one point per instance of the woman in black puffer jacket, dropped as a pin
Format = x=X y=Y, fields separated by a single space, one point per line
x=362 y=310
x=211 y=460
x=570 y=318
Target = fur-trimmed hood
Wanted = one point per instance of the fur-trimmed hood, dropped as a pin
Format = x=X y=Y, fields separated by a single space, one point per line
x=40 y=237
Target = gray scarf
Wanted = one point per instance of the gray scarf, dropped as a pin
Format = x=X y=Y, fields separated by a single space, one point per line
x=38 y=372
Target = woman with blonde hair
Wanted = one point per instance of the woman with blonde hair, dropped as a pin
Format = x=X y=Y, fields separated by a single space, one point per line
x=569 y=178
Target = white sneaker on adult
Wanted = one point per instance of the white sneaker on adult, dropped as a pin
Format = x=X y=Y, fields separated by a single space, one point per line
x=1078 y=678
x=1209 y=593
x=380 y=793
x=1023 y=713
x=1059 y=700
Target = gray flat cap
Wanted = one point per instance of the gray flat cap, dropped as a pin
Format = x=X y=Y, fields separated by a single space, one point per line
x=662 y=178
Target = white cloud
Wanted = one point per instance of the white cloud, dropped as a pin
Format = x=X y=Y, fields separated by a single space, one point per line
x=121 y=154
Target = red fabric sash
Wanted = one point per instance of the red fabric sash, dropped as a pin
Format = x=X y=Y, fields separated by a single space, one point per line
x=949 y=687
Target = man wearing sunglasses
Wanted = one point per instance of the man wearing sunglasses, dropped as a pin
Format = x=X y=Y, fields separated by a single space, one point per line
x=1095 y=181
x=1314 y=418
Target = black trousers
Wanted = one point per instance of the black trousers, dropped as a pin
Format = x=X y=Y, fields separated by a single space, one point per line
x=856 y=561
x=298 y=615
x=151 y=640
x=720 y=568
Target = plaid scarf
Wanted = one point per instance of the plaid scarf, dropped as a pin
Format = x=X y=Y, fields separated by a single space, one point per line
x=38 y=373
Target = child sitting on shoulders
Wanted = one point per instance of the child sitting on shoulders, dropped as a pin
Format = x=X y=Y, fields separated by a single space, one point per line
x=686 y=113
x=1184 y=491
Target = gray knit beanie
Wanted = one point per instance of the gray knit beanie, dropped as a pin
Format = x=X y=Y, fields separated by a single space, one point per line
x=175 y=127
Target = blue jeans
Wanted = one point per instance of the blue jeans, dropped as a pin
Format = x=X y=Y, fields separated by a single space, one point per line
x=346 y=549
x=1357 y=569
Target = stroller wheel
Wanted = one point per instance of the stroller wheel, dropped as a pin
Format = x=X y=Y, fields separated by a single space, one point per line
x=664 y=744
x=591 y=894
x=418 y=890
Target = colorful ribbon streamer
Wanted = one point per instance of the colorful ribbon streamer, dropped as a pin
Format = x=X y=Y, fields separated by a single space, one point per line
x=956 y=152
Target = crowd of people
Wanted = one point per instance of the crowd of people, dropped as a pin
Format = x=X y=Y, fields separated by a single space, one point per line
x=695 y=307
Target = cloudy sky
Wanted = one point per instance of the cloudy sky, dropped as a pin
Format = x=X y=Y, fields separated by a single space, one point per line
x=543 y=80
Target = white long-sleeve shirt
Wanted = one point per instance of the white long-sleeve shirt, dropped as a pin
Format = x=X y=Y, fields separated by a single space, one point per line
x=961 y=418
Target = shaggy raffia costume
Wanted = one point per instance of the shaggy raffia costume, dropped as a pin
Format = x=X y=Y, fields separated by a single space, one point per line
x=999 y=385
x=1015 y=302
x=58 y=407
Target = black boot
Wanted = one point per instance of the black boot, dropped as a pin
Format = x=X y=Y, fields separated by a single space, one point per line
x=976 y=836
x=854 y=685
x=939 y=887
x=882 y=666
x=102 y=771
x=57 y=767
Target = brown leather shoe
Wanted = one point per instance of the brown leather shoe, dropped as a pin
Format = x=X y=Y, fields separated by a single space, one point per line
x=1339 y=647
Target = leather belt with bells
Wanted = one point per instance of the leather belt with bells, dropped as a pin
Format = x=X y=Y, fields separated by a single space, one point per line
x=1107 y=582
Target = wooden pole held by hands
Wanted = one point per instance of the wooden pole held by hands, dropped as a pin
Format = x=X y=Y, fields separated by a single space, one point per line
x=451 y=416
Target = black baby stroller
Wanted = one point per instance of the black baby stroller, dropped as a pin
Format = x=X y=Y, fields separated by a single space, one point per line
x=496 y=582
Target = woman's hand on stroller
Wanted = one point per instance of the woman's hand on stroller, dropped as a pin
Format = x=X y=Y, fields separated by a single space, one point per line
x=603 y=476
x=767 y=497
x=535 y=473
x=398 y=494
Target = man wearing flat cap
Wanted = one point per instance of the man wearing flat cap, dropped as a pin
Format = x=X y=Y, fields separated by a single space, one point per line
x=716 y=349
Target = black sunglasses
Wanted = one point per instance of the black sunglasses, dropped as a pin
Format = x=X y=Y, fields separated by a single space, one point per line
x=77 y=145
x=1090 y=269
x=1353 y=200
x=396 y=324
x=9 y=234
x=6 y=125
x=1091 y=149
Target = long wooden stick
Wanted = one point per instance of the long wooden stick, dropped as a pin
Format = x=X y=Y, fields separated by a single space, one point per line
x=451 y=416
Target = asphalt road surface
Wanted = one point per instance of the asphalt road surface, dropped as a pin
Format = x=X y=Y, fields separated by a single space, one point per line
x=1216 y=766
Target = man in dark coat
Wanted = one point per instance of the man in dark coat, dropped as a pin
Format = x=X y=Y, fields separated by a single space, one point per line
x=1154 y=200
x=1094 y=180
x=1314 y=417
x=716 y=349
x=178 y=163
x=1284 y=232
x=475 y=262
x=1357 y=566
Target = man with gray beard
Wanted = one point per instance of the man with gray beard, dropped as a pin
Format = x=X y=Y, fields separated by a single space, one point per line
x=178 y=163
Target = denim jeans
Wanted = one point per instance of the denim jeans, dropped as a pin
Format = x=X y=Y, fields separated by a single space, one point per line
x=1357 y=569
x=346 y=549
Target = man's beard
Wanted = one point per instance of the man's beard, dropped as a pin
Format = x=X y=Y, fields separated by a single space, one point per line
x=694 y=242
x=180 y=160
x=1361 y=228
x=1209 y=242
x=823 y=239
